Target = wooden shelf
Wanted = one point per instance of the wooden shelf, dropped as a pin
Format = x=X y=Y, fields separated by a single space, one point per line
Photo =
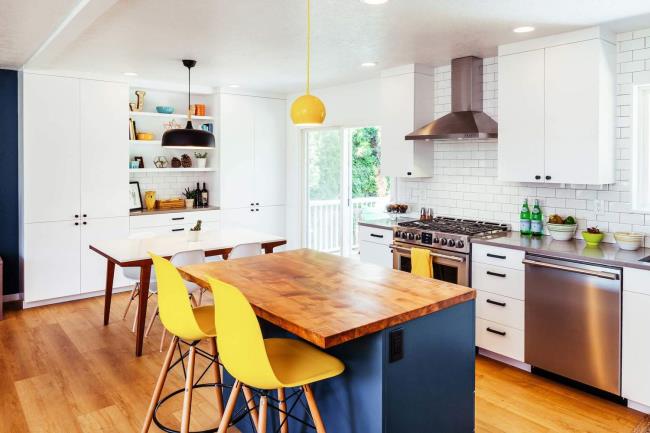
x=167 y=116
x=152 y=142
x=159 y=142
x=169 y=170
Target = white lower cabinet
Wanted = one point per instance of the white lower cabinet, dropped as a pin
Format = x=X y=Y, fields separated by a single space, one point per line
x=93 y=266
x=500 y=339
x=379 y=254
x=636 y=336
x=265 y=219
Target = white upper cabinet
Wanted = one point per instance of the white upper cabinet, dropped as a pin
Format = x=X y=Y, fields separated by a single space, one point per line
x=253 y=151
x=104 y=149
x=521 y=116
x=51 y=160
x=557 y=109
x=407 y=103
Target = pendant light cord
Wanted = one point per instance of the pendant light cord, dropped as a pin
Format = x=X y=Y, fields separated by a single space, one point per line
x=308 y=45
x=189 y=92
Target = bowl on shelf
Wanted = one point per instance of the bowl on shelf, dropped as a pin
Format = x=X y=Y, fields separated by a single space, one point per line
x=593 y=239
x=629 y=241
x=144 y=136
x=562 y=232
x=165 y=109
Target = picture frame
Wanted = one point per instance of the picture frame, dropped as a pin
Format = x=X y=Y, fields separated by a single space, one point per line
x=140 y=161
x=135 y=197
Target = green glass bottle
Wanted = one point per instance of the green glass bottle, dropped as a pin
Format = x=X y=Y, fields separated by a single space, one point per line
x=536 y=224
x=524 y=219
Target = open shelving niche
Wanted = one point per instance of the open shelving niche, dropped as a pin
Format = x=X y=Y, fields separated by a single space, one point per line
x=148 y=120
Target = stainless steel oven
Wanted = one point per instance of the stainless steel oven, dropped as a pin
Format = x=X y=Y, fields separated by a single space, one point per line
x=447 y=265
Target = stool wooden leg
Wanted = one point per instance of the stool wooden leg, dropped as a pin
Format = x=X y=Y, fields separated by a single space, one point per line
x=284 y=422
x=217 y=376
x=250 y=402
x=313 y=408
x=261 y=425
x=189 y=384
x=230 y=407
x=159 y=385
x=131 y=298
x=162 y=339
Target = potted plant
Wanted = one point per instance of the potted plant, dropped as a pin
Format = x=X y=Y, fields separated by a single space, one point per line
x=195 y=232
x=189 y=197
x=201 y=159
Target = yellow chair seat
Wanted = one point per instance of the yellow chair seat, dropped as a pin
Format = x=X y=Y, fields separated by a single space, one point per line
x=296 y=363
x=204 y=317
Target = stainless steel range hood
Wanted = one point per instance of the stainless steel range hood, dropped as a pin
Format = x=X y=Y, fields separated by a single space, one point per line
x=467 y=119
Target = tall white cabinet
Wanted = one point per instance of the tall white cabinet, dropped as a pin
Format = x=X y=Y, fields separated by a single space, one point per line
x=74 y=181
x=252 y=162
x=557 y=109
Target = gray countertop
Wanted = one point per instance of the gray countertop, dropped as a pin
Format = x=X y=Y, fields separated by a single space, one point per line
x=162 y=211
x=605 y=253
x=384 y=223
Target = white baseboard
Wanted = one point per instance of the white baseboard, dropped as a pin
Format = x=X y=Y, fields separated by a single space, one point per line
x=638 y=406
x=73 y=297
x=512 y=362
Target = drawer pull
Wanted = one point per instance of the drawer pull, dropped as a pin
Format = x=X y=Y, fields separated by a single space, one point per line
x=496 y=274
x=178 y=218
x=178 y=230
x=495 y=256
x=494 y=331
x=500 y=304
x=374 y=235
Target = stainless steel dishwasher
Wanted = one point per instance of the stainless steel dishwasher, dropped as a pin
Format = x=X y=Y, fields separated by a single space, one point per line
x=573 y=320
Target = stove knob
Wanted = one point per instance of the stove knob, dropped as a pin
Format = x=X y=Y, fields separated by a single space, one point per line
x=398 y=234
x=460 y=244
x=417 y=237
x=436 y=240
x=411 y=236
x=443 y=241
x=451 y=242
x=404 y=235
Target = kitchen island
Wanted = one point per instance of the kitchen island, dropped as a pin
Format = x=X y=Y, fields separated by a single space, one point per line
x=407 y=342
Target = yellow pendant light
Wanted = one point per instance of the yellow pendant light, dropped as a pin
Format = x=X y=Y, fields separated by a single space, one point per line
x=308 y=109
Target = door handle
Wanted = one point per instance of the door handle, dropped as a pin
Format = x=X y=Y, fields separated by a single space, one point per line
x=496 y=256
x=599 y=274
x=178 y=230
x=178 y=218
x=374 y=235
x=494 y=331
x=438 y=255
x=496 y=274
x=500 y=304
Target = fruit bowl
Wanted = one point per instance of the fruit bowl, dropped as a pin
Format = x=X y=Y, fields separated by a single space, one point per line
x=562 y=232
x=593 y=239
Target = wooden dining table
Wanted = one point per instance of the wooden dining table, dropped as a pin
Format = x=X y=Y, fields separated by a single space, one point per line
x=135 y=253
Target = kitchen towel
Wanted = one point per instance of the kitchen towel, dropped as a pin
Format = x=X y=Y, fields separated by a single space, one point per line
x=421 y=262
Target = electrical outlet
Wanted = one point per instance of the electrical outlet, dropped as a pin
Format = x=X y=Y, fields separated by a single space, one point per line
x=599 y=207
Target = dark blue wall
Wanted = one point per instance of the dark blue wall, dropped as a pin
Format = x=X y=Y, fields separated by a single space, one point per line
x=9 y=178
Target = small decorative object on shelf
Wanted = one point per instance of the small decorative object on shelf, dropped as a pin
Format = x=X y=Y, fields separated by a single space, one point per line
x=135 y=199
x=189 y=197
x=199 y=109
x=172 y=124
x=195 y=232
x=208 y=127
x=176 y=163
x=150 y=199
x=172 y=203
x=201 y=158
x=139 y=104
x=140 y=161
x=396 y=208
x=165 y=109
x=144 y=136
x=161 y=162
x=132 y=132
x=134 y=164
x=186 y=161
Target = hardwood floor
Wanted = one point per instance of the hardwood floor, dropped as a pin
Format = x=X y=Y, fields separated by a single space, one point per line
x=61 y=371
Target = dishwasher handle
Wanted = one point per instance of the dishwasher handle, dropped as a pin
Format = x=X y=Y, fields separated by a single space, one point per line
x=599 y=274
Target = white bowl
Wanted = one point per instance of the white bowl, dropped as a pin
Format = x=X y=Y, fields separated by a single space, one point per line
x=561 y=236
x=629 y=245
x=627 y=236
x=562 y=227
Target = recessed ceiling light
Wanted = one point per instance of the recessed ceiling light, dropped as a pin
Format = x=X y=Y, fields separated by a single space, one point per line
x=375 y=2
x=523 y=29
x=233 y=86
x=131 y=74
x=369 y=64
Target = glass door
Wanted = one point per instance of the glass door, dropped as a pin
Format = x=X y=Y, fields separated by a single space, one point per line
x=342 y=181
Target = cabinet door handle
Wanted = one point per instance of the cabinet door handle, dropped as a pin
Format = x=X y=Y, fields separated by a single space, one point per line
x=538 y=177
x=84 y=223
x=257 y=210
x=495 y=256
x=76 y=216
x=76 y=224
x=496 y=274
x=494 y=331
x=548 y=177
x=257 y=204
x=178 y=218
x=85 y=216
x=408 y=173
x=252 y=210
x=500 y=304
x=252 y=204
x=375 y=235
x=178 y=230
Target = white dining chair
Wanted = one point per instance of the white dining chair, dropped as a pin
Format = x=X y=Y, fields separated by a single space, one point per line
x=133 y=274
x=245 y=250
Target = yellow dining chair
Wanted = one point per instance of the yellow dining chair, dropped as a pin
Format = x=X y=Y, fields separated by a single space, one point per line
x=188 y=325
x=265 y=364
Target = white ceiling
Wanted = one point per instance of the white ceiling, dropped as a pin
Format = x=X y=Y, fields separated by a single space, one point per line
x=260 y=43
x=25 y=25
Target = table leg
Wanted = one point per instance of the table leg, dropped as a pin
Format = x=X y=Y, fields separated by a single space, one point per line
x=143 y=297
x=110 y=272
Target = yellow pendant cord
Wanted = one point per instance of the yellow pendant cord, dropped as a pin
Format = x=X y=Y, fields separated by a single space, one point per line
x=308 y=44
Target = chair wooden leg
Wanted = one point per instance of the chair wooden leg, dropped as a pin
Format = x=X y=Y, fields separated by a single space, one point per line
x=153 y=318
x=261 y=425
x=217 y=376
x=193 y=301
x=134 y=292
x=230 y=407
x=201 y=292
x=313 y=408
x=135 y=317
x=159 y=385
x=162 y=339
x=282 y=405
x=250 y=402
x=189 y=384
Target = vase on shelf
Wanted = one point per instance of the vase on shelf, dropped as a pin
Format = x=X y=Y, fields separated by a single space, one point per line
x=189 y=203
x=200 y=162
x=150 y=199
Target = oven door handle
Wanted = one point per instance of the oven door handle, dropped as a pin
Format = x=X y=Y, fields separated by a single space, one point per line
x=438 y=255
x=599 y=274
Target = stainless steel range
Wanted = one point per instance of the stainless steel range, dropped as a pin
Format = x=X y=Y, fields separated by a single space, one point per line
x=448 y=241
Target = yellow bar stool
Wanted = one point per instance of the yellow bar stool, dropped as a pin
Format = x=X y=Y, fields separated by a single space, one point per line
x=189 y=326
x=266 y=364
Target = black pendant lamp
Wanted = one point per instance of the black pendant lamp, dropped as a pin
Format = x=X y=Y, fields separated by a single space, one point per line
x=188 y=138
